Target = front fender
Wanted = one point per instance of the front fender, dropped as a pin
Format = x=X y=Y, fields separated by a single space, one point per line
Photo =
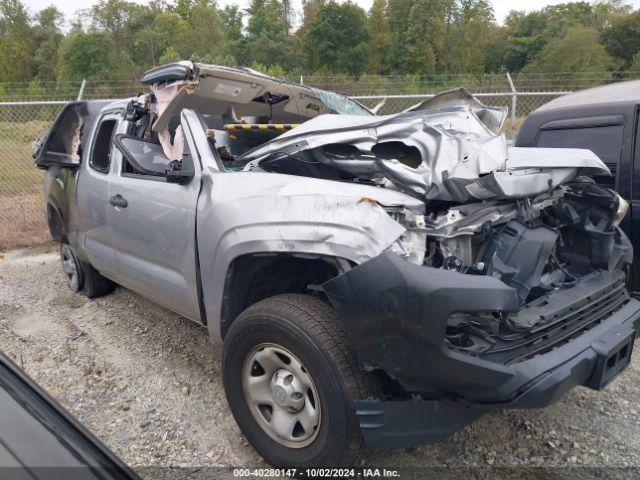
x=254 y=212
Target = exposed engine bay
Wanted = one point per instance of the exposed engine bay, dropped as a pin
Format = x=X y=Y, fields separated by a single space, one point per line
x=560 y=251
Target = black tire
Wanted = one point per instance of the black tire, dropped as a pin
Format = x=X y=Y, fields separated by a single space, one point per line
x=87 y=281
x=310 y=329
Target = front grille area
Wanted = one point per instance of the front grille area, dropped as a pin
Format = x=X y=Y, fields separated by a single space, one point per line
x=515 y=348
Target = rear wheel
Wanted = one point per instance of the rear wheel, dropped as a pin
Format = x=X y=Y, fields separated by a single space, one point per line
x=291 y=377
x=81 y=276
x=70 y=267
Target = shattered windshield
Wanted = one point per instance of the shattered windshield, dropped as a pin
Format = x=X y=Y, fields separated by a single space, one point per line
x=340 y=103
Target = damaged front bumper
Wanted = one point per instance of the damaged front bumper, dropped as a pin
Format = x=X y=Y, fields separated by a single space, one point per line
x=396 y=314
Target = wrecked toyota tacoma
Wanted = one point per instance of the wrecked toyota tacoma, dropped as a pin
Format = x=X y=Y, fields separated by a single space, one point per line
x=373 y=279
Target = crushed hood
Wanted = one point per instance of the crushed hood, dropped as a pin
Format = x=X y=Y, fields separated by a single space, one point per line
x=447 y=148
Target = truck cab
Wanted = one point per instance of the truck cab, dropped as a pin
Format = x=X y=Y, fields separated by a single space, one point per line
x=604 y=120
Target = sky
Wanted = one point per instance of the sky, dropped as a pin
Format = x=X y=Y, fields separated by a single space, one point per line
x=501 y=8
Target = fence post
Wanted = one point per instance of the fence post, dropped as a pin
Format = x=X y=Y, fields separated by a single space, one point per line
x=514 y=106
x=301 y=80
x=81 y=91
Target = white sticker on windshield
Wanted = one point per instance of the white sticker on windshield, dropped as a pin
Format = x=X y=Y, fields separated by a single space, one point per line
x=226 y=89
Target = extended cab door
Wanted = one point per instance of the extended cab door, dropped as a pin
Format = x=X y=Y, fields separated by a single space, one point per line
x=152 y=220
x=94 y=237
x=61 y=145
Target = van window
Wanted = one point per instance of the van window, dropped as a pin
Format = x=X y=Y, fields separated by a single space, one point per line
x=605 y=141
x=101 y=153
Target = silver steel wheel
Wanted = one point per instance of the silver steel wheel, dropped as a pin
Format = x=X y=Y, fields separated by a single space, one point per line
x=69 y=267
x=281 y=395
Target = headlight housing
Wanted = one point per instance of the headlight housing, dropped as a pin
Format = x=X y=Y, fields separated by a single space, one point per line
x=412 y=244
x=623 y=208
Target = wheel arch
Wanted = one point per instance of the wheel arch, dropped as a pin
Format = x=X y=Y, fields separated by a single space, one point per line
x=55 y=221
x=255 y=276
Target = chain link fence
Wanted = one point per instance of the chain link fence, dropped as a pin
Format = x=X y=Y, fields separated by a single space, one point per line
x=28 y=112
x=22 y=221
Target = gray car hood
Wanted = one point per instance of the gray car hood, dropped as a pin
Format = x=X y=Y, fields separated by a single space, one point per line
x=459 y=154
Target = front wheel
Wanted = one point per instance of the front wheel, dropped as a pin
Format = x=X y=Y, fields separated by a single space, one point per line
x=291 y=377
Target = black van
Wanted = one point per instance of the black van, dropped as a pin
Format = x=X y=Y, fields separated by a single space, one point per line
x=605 y=120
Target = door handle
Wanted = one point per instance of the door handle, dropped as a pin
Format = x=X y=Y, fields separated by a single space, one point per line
x=118 y=201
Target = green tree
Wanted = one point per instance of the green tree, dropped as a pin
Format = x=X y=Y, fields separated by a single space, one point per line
x=123 y=21
x=16 y=42
x=207 y=29
x=425 y=36
x=398 y=11
x=606 y=11
x=184 y=8
x=169 y=56
x=635 y=65
x=474 y=34
x=622 y=37
x=523 y=38
x=113 y=17
x=90 y=56
x=379 y=37
x=47 y=36
x=337 y=40
x=559 y=18
x=267 y=40
x=232 y=42
x=232 y=20
x=525 y=35
x=577 y=52
x=164 y=30
x=513 y=52
x=310 y=9
x=141 y=46
x=275 y=71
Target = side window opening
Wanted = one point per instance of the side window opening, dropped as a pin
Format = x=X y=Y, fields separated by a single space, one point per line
x=147 y=158
x=101 y=153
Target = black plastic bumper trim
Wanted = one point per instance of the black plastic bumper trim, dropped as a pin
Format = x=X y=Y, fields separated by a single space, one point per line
x=395 y=424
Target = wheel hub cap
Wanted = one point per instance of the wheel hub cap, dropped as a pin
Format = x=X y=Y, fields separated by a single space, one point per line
x=287 y=390
x=281 y=395
x=69 y=267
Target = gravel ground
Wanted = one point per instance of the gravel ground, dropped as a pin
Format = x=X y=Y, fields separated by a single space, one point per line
x=147 y=382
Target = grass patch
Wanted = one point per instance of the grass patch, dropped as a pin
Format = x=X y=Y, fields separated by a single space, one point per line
x=22 y=221
x=18 y=174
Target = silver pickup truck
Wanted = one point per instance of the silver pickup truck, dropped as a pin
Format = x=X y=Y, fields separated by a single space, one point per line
x=373 y=279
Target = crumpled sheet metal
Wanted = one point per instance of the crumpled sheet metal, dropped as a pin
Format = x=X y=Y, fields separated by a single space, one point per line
x=463 y=157
x=531 y=171
x=492 y=117
x=453 y=143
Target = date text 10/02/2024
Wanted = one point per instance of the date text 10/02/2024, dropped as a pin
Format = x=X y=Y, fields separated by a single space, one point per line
x=317 y=472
